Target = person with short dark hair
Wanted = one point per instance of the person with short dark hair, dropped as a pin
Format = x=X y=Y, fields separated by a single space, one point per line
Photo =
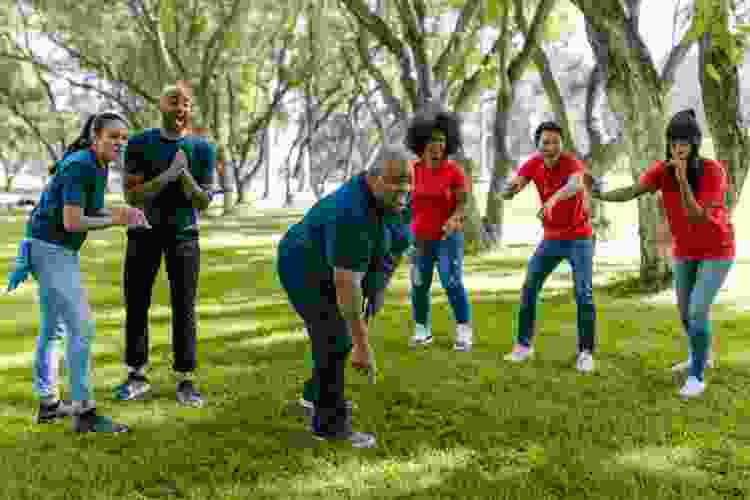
x=694 y=195
x=566 y=218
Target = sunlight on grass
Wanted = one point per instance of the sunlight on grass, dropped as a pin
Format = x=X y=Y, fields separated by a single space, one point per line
x=276 y=338
x=215 y=241
x=390 y=477
x=663 y=459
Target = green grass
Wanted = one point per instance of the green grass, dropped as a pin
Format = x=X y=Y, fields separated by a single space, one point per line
x=449 y=425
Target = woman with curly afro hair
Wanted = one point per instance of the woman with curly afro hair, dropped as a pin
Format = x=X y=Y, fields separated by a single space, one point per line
x=439 y=196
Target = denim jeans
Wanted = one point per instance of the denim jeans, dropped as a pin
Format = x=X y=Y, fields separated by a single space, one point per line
x=64 y=311
x=697 y=283
x=449 y=256
x=548 y=255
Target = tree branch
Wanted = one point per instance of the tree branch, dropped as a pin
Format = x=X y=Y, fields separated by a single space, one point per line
x=452 y=49
x=519 y=63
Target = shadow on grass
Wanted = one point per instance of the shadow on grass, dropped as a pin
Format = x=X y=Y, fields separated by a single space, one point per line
x=519 y=435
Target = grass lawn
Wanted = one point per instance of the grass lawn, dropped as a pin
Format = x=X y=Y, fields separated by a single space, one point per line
x=450 y=425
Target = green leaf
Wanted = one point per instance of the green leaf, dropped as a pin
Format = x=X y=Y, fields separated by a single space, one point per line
x=712 y=72
x=492 y=11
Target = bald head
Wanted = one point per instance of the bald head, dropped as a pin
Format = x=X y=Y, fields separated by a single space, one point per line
x=391 y=175
x=176 y=105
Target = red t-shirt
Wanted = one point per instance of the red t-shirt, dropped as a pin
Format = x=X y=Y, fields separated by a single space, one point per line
x=433 y=197
x=569 y=219
x=709 y=240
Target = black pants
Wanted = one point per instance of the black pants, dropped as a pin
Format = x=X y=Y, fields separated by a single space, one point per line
x=314 y=299
x=142 y=262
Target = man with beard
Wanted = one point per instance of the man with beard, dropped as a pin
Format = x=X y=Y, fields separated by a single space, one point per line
x=171 y=175
x=322 y=262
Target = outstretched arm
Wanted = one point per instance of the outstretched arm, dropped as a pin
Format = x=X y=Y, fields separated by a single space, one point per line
x=623 y=194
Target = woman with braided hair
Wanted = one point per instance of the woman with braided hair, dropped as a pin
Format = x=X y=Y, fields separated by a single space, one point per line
x=694 y=191
x=439 y=195
x=71 y=205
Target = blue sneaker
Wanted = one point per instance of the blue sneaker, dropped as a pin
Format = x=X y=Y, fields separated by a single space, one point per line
x=136 y=387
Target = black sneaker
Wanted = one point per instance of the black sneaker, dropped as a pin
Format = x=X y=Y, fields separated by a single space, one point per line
x=89 y=421
x=136 y=387
x=50 y=413
x=188 y=395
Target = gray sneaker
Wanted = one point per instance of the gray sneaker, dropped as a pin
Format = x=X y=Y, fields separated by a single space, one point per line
x=136 y=387
x=357 y=439
x=50 y=413
x=188 y=395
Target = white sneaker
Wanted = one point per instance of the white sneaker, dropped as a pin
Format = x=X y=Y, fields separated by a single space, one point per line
x=693 y=387
x=585 y=362
x=464 y=338
x=519 y=354
x=422 y=336
x=685 y=365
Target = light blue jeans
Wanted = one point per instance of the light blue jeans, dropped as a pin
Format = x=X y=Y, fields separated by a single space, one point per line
x=65 y=311
x=696 y=284
x=448 y=254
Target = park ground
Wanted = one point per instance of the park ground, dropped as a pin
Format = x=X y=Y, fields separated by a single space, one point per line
x=450 y=425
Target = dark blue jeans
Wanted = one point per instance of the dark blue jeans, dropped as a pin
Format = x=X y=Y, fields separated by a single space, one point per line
x=449 y=256
x=548 y=255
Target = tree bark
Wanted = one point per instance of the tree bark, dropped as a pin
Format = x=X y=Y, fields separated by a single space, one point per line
x=721 y=100
x=636 y=91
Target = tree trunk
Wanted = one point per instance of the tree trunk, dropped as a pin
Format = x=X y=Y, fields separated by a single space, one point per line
x=721 y=100
x=226 y=186
x=655 y=270
x=646 y=123
x=267 y=166
x=493 y=223
x=473 y=223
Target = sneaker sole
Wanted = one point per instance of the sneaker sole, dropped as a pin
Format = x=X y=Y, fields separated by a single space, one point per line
x=191 y=403
x=370 y=443
x=463 y=348
x=420 y=343
x=138 y=396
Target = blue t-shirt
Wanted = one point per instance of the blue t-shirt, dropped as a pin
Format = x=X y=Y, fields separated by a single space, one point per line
x=78 y=181
x=149 y=154
x=344 y=229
